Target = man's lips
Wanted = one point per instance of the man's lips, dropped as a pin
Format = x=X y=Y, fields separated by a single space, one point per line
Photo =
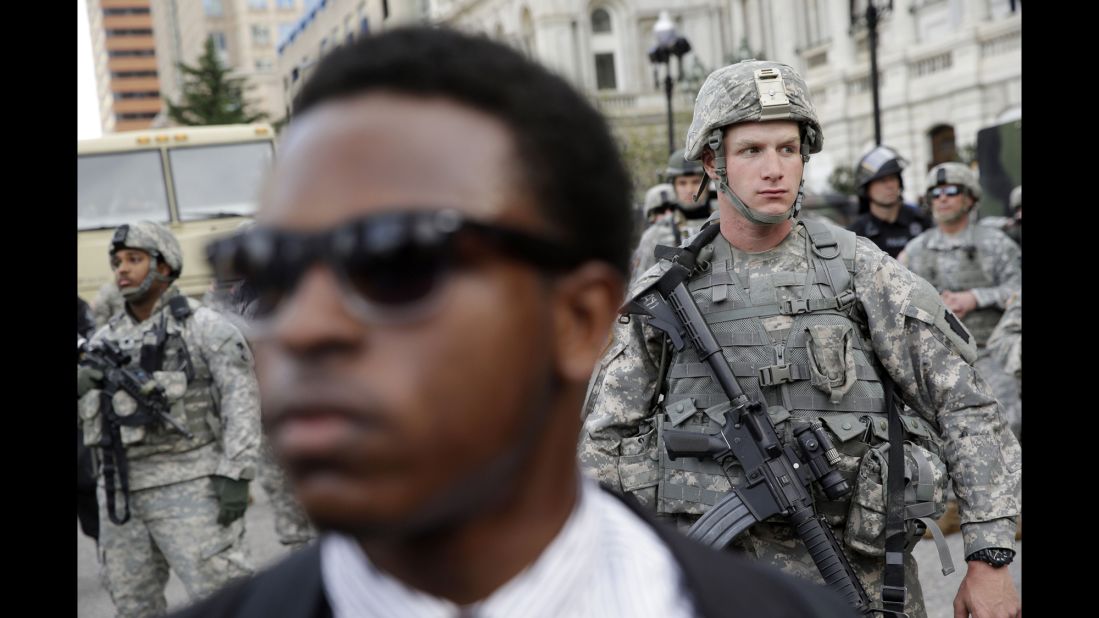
x=773 y=192
x=123 y=283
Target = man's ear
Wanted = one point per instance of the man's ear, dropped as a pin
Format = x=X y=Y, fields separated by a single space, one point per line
x=163 y=268
x=708 y=163
x=585 y=308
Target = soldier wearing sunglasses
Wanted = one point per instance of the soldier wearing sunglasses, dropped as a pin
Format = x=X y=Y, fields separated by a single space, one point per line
x=976 y=269
x=438 y=257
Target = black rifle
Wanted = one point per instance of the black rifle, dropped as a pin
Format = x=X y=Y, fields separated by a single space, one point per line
x=152 y=406
x=778 y=477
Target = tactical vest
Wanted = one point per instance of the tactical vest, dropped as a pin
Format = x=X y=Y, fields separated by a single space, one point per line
x=956 y=269
x=800 y=372
x=195 y=409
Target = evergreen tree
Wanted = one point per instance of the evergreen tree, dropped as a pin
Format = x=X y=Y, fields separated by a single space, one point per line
x=210 y=95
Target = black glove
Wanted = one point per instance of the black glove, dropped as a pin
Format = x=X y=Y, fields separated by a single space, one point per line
x=232 y=497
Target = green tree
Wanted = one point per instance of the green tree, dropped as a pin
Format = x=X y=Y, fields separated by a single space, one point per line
x=210 y=95
x=842 y=180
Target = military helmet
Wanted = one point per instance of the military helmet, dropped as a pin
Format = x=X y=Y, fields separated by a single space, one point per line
x=153 y=238
x=659 y=195
x=953 y=173
x=881 y=162
x=1016 y=199
x=679 y=166
x=748 y=92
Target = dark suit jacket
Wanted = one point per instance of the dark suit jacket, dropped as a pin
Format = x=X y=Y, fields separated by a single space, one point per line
x=720 y=583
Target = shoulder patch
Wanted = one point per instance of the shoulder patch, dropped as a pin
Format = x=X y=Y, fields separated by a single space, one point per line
x=925 y=305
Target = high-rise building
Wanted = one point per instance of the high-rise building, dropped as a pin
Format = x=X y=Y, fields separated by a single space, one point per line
x=124 y=50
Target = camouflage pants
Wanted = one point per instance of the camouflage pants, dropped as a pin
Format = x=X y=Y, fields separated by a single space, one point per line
x=173 y=526
x=292 y=527
x=777 y=545
x=1004 y=388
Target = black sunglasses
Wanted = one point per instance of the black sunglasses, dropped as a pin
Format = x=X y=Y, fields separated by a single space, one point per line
x=389 y=265
x=950 y=190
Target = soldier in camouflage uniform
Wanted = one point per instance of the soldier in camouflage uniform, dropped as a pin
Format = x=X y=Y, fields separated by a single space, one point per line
x=234 y=300
x=1005 y=346
x=976 y=268
x=810 y=318
x=685 y=176
x=187 y=495
x=666 y=226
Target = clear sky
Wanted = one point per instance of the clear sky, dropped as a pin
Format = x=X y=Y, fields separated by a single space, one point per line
x=87 y=102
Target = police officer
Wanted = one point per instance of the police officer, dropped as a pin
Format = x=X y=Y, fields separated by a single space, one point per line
x=885 y=218
x=813 y=320
x=170 y=497
x=976 y=268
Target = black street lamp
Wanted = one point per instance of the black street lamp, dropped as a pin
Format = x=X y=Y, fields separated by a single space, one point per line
x=668 y=44
x=872 y=16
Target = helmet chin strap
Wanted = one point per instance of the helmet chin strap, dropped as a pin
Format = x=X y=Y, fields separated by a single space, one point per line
x=717 y=145
x=136 y=293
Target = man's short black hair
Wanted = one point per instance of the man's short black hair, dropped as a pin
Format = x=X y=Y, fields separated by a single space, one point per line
x=566 y=153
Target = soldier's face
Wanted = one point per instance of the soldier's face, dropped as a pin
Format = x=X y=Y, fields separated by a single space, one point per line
x=383 y=425
x=685 y=187
x=885 y=191
x=950 y=208
x=130 y=267
x=763 y=161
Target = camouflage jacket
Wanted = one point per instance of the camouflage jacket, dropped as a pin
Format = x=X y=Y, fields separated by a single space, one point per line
x=1006 y=342
x=660 y=233
x=980 y=259
x=208 y=374
x=903 y=320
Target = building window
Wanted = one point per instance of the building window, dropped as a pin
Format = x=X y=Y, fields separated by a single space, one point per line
x=264 y=64
x=324 y=45
x=130 y=32
x=130 y=74
x=943 y=147
x=364 y=26
x=286 y=4
x=127 y=11
x=812 y=23
x=130 y=53
x=212 y=7
x=284 y=31
x=385 y=9
x=294 y=75
x=261 y=35
x=257 y=5
x=219 y=41
x=604 y=72
x=135 y=116
x=600 y=21
x=149 y=94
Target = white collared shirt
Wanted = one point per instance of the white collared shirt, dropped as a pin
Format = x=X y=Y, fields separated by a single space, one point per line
x=604 y=562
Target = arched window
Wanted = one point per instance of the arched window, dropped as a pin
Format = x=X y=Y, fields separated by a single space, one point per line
x=943 y=147
x=600 y=21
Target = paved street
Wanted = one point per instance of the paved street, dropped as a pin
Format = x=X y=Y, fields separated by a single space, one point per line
x=93 y=601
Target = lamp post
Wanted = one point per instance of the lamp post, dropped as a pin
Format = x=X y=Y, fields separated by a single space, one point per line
x=872 y=16
x=668 y=44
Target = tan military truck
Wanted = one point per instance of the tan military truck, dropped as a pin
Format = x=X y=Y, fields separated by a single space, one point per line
x=201 y=181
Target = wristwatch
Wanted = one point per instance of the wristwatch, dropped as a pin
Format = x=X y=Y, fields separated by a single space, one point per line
x=994 y=556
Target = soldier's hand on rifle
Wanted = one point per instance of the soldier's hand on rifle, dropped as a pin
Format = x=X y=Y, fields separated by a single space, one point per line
x=87 y=378
x=232 y=498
